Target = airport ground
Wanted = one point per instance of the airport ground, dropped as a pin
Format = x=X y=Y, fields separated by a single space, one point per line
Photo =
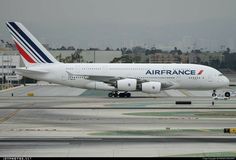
x=64 y=121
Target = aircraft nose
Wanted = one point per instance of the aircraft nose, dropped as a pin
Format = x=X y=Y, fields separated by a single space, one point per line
x=226 y=81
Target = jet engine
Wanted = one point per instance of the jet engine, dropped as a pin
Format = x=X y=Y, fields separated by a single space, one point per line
x=126 y=84
x=151 y=87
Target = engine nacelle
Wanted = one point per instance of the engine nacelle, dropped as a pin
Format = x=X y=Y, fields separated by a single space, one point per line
x=151 y=87
x=127 y=84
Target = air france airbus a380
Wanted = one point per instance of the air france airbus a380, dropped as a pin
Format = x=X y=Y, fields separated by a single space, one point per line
x=118 y=79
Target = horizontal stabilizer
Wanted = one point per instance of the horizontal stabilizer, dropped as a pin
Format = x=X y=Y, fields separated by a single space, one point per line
x=30 y=71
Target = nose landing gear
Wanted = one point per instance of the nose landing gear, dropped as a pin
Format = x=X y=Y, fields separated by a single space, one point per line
x=226 y=95
x=214 y=93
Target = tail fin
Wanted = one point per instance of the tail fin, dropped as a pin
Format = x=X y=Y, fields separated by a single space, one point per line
x=30 y=49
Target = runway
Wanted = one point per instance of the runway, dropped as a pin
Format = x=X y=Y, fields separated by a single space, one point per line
x=75 y=140
x=138 y=126
x=113 y=103
x=118 y=149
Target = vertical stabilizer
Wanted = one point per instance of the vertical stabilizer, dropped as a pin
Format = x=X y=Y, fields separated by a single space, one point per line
x=30 y=49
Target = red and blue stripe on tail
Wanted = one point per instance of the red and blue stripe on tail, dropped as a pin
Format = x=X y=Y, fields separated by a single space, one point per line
x=29 y=47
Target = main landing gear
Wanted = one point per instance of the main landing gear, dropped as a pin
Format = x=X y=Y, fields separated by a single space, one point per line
x=121 y=95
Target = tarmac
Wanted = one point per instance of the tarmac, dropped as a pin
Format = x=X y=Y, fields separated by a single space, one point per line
x=68 y=122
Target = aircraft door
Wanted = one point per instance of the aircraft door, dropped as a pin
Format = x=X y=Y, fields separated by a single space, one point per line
x=64 y=76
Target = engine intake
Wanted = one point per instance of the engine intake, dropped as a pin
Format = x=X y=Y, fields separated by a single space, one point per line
x=151 y=87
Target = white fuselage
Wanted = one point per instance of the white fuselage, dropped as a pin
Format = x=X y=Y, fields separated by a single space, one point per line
x=148 y=78
x=173 y=76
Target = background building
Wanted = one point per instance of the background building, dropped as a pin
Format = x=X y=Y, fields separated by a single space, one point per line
x=168 y=58
x=8 y=61
x=85 y=56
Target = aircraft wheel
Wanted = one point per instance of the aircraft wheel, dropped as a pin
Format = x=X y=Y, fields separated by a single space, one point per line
x=227 y=94
x=214 y=93
x=128 y=95
x=121 y=95
x=110 y=94
x=116 y=94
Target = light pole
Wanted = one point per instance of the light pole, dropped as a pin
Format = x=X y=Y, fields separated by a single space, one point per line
x=2 y=71
x=93 y=56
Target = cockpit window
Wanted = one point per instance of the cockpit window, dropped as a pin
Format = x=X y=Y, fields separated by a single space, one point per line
x=221 y=74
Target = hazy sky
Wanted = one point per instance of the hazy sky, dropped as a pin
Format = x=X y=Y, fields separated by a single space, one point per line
x=115 y=23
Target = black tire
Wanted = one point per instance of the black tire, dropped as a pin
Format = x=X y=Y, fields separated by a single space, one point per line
x=116 y=95
x=110 y=94
x=121 y=95
x=227 y=94
x=128 y=95
x=213 y=94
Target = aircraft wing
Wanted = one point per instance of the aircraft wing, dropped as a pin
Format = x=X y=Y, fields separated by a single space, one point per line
x=105 y=79
x=112 y=79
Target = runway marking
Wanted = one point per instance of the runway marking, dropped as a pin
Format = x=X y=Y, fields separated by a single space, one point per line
x=34 y=129
x=8 y=116
x=205 y=130
x=176 y=139
x=117 y=108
